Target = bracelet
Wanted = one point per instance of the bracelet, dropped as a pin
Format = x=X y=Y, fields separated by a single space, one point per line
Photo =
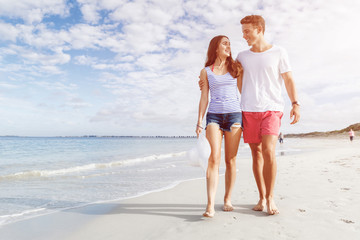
x=199 y=126
x=295 y=103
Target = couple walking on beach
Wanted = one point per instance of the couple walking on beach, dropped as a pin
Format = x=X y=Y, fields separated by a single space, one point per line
x=257 y=74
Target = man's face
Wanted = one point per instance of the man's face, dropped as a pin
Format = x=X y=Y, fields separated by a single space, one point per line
x=250 y=33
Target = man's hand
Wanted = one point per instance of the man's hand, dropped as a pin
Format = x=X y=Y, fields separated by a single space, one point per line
x=295 y=112
x=201 y=83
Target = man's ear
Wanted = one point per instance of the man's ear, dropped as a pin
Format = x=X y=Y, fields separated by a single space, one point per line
x=259 y=29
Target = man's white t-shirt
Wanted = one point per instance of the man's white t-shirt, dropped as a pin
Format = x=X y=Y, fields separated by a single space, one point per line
x=262 y=81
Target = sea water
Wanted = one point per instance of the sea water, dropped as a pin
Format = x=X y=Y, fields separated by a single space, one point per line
x=40 y=175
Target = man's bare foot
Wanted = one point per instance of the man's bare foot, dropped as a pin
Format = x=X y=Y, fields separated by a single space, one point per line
x=209 y=212
x=271 y=207
x=228 y=207
x=260 y=205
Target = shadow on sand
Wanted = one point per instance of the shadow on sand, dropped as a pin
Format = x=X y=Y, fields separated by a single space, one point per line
x=188 y=212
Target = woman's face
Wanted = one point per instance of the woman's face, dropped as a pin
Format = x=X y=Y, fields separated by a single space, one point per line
x=224 y=49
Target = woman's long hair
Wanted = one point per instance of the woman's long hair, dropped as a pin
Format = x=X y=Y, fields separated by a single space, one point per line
x=233 y=67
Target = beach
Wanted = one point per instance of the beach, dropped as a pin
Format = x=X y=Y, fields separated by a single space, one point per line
x=317 y=192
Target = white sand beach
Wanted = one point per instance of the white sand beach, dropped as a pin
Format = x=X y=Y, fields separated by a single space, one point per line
x=317 y=192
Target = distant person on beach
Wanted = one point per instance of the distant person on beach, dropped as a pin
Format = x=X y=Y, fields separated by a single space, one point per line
x=265 y=68
x=281 y=137
x=221 y=76
x=351 y=135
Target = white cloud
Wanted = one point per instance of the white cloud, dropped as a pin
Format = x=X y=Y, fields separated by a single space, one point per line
x=90 y=13
x=143 y=37
x=50 y=69
x=8 y=85
x=56 y=86
x=33 y=11
x=77 y=103
x=116 y=67
x=86 y=36
x=178 y=42
x=85 y=60
x=147 y=55
x=124 y=58
x=153 y=62
x=8 y=32
x=34 y=57
x=40 y=36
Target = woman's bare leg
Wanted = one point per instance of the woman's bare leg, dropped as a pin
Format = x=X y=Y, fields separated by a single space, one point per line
x=232 y=140
x=214 y=136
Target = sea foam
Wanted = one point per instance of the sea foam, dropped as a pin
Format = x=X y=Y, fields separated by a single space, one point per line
x=88 y=167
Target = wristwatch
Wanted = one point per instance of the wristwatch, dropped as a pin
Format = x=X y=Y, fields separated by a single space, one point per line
x=295 y=103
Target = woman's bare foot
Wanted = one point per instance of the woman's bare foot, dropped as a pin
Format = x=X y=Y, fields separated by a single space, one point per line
x=260 y=205
x=228 y=207
x=209 y=212
x=271 y=207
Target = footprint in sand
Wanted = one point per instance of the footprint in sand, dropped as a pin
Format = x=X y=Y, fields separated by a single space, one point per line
x=333 y=204
x=346 y=221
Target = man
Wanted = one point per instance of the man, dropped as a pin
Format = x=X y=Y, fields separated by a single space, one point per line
x=265 y=66
x=281 y=137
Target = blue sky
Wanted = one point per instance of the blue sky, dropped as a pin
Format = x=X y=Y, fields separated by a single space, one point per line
x=109 y=67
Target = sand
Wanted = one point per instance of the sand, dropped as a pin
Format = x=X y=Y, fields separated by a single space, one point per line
x=317 y=192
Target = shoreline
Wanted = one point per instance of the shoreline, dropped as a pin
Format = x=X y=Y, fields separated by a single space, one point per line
x=48 y=211
x=38 y=212
x=313 y=188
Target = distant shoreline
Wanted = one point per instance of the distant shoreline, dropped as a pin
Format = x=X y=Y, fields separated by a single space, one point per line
x=337 y=133
x=95 y=136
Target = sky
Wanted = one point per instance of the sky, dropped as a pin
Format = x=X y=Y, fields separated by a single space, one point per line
x=117 y=67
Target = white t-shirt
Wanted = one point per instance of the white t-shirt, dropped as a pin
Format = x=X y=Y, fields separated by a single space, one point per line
x=262 y=81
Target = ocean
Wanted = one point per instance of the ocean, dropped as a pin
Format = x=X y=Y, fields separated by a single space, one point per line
x=40 y=175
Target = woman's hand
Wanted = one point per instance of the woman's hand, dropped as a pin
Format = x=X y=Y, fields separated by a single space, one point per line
x=198 y=130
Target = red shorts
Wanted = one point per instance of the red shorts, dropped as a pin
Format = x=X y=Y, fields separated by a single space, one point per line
x=257 y=124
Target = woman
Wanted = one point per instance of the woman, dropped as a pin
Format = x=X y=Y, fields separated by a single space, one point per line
x=222 y=76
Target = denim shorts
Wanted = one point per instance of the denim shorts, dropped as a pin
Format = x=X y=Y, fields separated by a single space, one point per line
x=224 y=120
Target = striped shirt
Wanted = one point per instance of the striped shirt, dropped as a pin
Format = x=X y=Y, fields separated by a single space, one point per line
x=223 y=93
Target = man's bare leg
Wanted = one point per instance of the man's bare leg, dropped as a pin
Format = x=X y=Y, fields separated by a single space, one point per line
x=269 y=171
x=258 y=166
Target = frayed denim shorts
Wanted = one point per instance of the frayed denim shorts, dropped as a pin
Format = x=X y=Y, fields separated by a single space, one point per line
x=225 y=120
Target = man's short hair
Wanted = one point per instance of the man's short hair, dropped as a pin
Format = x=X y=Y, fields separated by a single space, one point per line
x=255 y=20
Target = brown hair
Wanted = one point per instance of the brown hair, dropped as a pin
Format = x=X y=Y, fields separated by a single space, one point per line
x=255 y=20
x=233 y=67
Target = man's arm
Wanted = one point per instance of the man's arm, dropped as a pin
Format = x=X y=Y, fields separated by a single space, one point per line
x=239 y=82
x=201 y=83
x=240 y=77
x=291 y=91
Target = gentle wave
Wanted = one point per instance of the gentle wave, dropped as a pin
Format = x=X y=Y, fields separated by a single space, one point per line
x=4 y=219
x=88 y=167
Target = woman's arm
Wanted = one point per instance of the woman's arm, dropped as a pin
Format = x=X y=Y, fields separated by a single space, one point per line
x=204 y=100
